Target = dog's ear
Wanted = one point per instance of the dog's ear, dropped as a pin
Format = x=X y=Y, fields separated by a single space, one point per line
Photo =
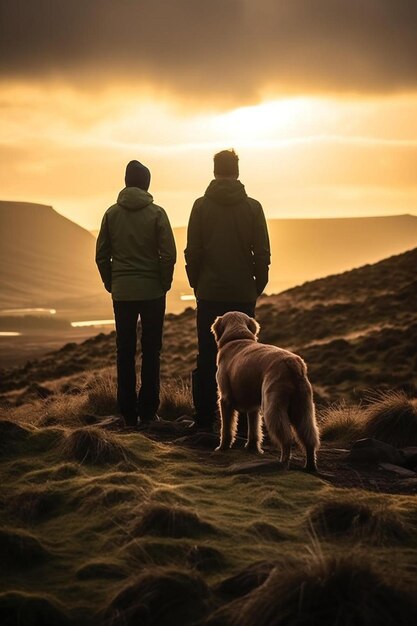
x=218 y=328
x=253 y=326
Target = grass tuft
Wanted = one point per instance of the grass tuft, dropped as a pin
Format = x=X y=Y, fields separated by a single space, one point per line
x=34 y=504
x=101 y=393
x=264 y=531
x=93 y=446
x=346 y=591
x=176 y=399
x=11 y=432
x=392 y=418
x=159 y=598
x=205 y=558
x=244 y=581
x=349 y=519
x=340 y=422
x=18 y=548
x=101 y=570
x=23 y=609
x=171 y=521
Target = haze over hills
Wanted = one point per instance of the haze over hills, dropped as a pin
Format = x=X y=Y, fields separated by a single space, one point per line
x=44 y=257
x=46 y=260
x=356 y=330
x=305 y=249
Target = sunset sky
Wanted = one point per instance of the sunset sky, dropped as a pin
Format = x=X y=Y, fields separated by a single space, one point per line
x=318 y=97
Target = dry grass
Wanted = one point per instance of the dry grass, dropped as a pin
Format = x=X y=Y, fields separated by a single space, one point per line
x=25 y=609
x=101 y=393
x=346 y=591
x=171 y=521
x=93 y=445
x=176 y=399
x=11 y=433
x=19 y=547
x=392 y=417
x=340 y=422
x=159 y=597
x=348 y=518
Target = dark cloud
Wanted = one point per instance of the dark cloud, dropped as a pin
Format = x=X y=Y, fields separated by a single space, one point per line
x=220 y=50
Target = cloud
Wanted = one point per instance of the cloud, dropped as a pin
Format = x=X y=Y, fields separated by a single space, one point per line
x=223 y=51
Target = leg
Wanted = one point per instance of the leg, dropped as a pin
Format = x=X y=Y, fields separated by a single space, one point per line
x=204 y=376
x=126 y=318
x=249 y=309
x=279 y=428
x=228 y=425
x=152 y=318
x=254 y=442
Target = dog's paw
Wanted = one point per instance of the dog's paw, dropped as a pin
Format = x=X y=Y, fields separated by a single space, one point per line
x=221 y=448
x=252 y=448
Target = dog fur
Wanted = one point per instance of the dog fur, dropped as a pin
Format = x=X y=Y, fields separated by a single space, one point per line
x=254 y=377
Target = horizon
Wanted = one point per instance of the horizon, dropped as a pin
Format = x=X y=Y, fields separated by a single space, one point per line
x=313 y=141
x=94 y=231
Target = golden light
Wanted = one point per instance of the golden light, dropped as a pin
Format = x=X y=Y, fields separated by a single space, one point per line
x=275 y=119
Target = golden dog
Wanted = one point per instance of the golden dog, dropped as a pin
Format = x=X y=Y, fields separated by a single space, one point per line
x=251 y=377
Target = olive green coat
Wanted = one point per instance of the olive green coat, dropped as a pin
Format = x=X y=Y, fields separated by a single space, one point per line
x=135 y=251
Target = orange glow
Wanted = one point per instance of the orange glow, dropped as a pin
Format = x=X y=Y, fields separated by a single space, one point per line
x=301 y=156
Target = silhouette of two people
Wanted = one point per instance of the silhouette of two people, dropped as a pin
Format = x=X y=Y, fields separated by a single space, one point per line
x=227 y=261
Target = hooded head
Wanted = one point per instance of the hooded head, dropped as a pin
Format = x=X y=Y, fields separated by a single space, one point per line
x=137 y=175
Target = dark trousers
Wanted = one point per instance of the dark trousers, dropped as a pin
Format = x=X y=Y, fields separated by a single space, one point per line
x=126 y=313
x=204 y=376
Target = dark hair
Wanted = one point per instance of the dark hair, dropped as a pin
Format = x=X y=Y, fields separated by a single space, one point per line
x=226 y=163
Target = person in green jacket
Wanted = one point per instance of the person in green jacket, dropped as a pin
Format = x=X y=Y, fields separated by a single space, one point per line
x=227 y=262
x=135 y=255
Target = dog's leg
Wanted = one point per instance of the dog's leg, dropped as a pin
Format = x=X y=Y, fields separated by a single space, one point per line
x=279 y=428
x=254 y=442
x=228 y=426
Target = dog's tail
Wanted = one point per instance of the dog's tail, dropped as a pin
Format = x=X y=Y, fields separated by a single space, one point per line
x=302 y=416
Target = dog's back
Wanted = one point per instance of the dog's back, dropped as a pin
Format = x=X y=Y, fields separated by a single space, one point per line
x=253 y=376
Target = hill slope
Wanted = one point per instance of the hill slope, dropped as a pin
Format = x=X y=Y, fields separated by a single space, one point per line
x=44 y=257
x=47 y=260
x=356 y=330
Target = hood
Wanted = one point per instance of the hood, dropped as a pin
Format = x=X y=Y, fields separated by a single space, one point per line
x=225 y=191
x=133 y=198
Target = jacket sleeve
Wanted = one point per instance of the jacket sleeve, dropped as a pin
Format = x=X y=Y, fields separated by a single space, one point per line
x=103 y=254
x=194 y=249
x=261 y=251
x=166 y=249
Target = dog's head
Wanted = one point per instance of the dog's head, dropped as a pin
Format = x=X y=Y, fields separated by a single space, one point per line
x=234 y=325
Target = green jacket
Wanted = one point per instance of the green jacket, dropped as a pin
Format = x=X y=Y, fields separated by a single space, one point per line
x=228 y=253
x=135 y=251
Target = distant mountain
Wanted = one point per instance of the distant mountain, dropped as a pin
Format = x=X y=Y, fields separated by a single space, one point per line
x=44 y=257
x=356 y=330
x=47 y=260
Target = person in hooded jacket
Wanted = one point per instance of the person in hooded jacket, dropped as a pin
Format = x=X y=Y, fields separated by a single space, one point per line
x=135 y=255
x=227 y=263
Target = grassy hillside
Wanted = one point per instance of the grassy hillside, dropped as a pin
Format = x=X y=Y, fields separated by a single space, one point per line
x=357 y=331
x=101 y=527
